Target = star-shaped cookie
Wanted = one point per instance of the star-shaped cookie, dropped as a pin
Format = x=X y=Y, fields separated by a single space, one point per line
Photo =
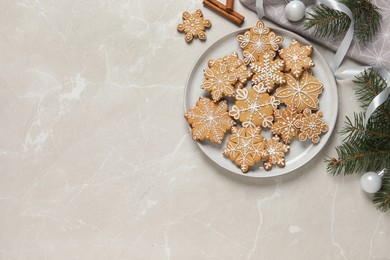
x=300 y=92
x=209 y=120
x=297 y=58
x=254 y=107
x=276 y=152
x=245 y=147
x=268 y=71
x=258 y=41
x=219 y=82
x=194 y=25
x=311 y=126
x=233 y=65
x=284 y=124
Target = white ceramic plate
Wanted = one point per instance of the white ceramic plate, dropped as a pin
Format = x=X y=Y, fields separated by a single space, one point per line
x=300 y=152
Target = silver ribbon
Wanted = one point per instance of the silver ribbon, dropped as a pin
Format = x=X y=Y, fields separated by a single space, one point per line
x=260 y=8
x=342 y=51
x=346 y=42
x=380 y=98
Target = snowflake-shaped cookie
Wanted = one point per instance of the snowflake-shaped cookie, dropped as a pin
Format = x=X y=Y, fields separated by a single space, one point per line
x=219 y=81
x=284 y=124
x=233 y=65
x=194 y=25
x=297 y=58
x=209 y=120
x=258 y=41
x=276 y=152
x=245 y=147
x=254 y=107
x=311 y=126
x=300 y=92
x=268 y=71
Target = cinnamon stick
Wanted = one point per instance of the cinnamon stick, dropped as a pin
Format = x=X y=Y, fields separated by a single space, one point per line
x=229 y=5
x=221 y=9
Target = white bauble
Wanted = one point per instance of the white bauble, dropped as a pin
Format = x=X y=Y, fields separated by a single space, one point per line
x=295 y=10
x=371 y=182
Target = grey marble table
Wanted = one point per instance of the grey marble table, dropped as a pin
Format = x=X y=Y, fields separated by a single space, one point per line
x=97 y=162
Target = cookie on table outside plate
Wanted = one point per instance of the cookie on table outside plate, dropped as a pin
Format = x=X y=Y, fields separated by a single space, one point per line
x=276 y=151
x=209 y=120
x=194 y=25
x=258 y=41
x=284 y=124
x=297 y=58
x=245 y=147
x=268 y=71
x=254 y=107
x=311 y=126
x=233 y=65
x=300 y=92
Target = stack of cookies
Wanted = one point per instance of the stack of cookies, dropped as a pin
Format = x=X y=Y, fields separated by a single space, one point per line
x=283 y=97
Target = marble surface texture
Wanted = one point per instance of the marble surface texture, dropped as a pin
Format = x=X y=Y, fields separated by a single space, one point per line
x=97 y=162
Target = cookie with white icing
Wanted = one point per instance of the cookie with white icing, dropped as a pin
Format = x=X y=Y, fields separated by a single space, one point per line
x=268 y=71
x=245 y=147
x=311 y=125
x=284 y=124
x=194 y=26
x=209 y=120
x=297 y=58
x=258 y=41
x=254 y=107
x=300 y=92
x=276 y=152
x=235 y=66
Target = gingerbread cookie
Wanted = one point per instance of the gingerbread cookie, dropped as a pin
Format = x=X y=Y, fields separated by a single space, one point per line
x=233 y=65
x=254 y=107
x=300 y=92
x=276 y=152
x=284 y=124
x=311 y=126
x=219 y=82
x=245 y=147
x=297 y=58
x=194 y=25
x=258 y=41
x=209 y=120
x=268 y=71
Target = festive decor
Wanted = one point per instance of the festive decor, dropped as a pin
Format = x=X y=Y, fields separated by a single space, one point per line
x=194 y=25
x=377 y=53
x=229 y=5
x=253 y=107
x=367 y=146
x=224 y=10
x=295 y=10
x=328 y=22
x=371 y=182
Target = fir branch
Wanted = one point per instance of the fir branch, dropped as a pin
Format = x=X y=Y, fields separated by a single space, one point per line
x=366 y=147
x=358 y=132
x=382 y=197
x=328 y=22
x=355 y=158
x=371 y=84
x=367 y=20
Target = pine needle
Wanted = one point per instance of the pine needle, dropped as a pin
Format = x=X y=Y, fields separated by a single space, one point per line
x=328 y=22
x=382 y=197
x=366 y=147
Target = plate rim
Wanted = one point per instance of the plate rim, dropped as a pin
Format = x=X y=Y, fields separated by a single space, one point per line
x=331 y=124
